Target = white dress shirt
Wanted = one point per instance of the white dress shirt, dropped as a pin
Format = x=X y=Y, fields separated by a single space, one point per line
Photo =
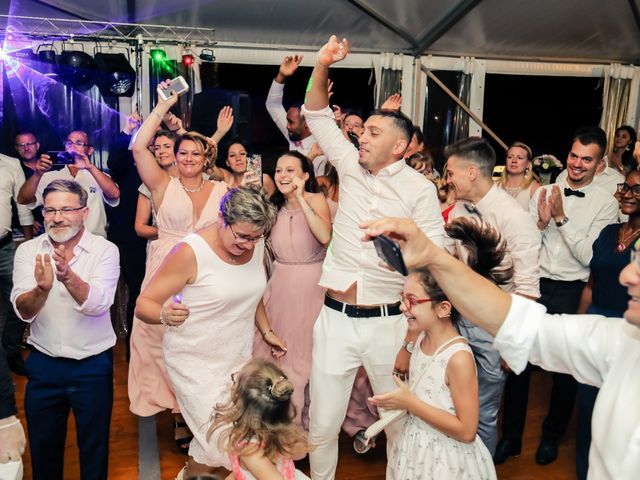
x=279 y=116
x=97 y=220
x=63 y=328
x=567 y=250
x=396 y=191
x=599 y=351
x=11 y=179
x=501 y=211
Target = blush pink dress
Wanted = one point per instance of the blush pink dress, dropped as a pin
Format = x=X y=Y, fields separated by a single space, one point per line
x=149 y=389
x=293 y=301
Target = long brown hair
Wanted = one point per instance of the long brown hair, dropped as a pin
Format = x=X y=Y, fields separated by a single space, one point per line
x=260 y=414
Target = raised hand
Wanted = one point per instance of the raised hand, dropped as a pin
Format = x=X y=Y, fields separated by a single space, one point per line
x=169 y=102
x=289 y=65
x=315 y=151
x=172 y=122
x=298 y=185
x=333 y=51
x=225 y=120
x=133 y=121
x=81 y=161
x=557 y=209
x=394 y=102
x=43 y=272
x=337 y=112
x=43 y=164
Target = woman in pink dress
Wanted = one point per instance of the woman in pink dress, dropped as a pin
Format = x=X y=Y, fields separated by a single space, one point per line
x=184 y=204
x=293 y=298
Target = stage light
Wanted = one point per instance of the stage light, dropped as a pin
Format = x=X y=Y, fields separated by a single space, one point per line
x=187 y=59
x=47 y=63
x=76 y=69
x=158 y=55
x=116 y=77
x=206 y=55
x=24 y=55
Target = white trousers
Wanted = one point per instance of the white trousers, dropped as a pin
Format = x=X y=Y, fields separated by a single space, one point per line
x=342 y=344
x=11 y=470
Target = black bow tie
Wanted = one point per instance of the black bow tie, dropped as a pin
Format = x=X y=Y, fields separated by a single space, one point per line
x=472 y=209
x=568 y=192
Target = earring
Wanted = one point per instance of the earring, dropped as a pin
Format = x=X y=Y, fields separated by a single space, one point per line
x=628 y=147
x=444 y=316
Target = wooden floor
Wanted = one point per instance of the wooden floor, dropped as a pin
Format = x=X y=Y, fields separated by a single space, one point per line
x=123 y=457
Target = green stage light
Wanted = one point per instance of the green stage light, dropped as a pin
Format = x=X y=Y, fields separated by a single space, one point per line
x=158 y=55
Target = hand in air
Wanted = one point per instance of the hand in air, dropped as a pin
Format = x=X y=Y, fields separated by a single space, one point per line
x=394 y=102
x=225 y=120
x=169 y=102
x=132 y=122
x=333 y=51
x=43 y=272
x=290 y=64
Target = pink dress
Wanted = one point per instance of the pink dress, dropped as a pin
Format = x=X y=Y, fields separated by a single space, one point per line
x=293 y=301
x=149 y=389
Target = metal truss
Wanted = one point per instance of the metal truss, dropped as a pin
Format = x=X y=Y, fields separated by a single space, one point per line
x=91 y=30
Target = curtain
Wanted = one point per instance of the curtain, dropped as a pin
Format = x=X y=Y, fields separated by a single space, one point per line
x=390 y=76
x=460 y=127
x=615 y=98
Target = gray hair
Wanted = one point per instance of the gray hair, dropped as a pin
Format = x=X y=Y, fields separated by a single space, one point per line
x=67 y=186
x=250 y=205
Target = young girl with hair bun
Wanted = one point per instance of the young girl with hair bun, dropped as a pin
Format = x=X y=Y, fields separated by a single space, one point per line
x=257 y=425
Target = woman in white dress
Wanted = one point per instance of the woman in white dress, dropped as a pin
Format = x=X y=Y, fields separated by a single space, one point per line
x=216 y=278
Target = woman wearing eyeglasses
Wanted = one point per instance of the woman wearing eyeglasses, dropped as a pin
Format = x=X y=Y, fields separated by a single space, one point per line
x=603 y=294
x=216 y=278
x=184 y=202
x=293 y=299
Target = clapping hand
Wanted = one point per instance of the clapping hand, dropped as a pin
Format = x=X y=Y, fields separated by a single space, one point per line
x=63 y=271
x=43 y=272
x=333 y=51
x=397 y=399
x=544 y=207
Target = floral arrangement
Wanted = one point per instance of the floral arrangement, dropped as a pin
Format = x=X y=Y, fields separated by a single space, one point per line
x=546 y=164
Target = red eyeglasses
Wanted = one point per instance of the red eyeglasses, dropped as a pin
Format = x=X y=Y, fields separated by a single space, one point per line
x=411 y=301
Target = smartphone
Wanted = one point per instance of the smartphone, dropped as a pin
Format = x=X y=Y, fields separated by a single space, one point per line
x=254 y=165
x=389 y=251
x=178 y=85
x=61 y=157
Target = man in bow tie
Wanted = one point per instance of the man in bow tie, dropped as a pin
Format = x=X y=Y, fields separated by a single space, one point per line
x=569 y=215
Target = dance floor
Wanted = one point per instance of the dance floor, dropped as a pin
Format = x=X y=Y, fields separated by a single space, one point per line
x=165 y=461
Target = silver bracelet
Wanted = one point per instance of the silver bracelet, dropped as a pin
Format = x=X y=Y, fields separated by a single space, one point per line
x=162 y=319
x=16 y=422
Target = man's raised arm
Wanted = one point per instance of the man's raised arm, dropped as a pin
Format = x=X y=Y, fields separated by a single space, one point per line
x=317 y=94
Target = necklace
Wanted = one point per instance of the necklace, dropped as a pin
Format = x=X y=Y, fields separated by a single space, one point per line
x=191 y=190
x=623 y=243
x=513 y=191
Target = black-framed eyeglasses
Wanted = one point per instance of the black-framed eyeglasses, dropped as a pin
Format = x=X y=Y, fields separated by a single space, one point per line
x=65 y=212
x=245 y=238
x=26 y=144
x=625 y=187
x=77 y=143
x=411 y=301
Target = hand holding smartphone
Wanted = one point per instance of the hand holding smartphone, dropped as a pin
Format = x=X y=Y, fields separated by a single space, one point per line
x=178 y=85
x=60 y=158
x=389 y=251
x=254 y=166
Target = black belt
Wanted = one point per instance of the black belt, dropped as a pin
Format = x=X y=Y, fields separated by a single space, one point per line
x=6 y=240
x=362 y=312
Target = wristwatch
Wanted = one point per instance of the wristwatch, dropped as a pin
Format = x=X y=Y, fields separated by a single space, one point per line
x=562 y=222
x=408 y=346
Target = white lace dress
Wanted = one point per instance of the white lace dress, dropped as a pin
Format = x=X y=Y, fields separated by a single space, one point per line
x=422 y=452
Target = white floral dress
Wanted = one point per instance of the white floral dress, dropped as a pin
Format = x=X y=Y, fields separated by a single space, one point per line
x=421 y=451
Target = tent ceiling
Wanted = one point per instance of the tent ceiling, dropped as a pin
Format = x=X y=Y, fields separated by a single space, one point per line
x=585 y=30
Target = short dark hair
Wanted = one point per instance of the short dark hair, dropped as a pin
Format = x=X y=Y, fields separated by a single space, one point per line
x=399 y=119
x=417 y=131
x=173 y=136
x=26 y=132
x=475 y=150
x=592 y=134
x=67 y=186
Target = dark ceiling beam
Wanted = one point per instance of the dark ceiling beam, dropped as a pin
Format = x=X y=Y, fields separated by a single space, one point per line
x=371 y=13
x=456 y=14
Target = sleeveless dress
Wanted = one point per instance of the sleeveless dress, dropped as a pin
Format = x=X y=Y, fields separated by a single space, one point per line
x=423 y=452
x=148 y=386
x=214 y=342
x=293 y=301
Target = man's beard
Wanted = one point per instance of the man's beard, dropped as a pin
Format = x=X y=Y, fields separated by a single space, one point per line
x=294 y=136
x=61 y=236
